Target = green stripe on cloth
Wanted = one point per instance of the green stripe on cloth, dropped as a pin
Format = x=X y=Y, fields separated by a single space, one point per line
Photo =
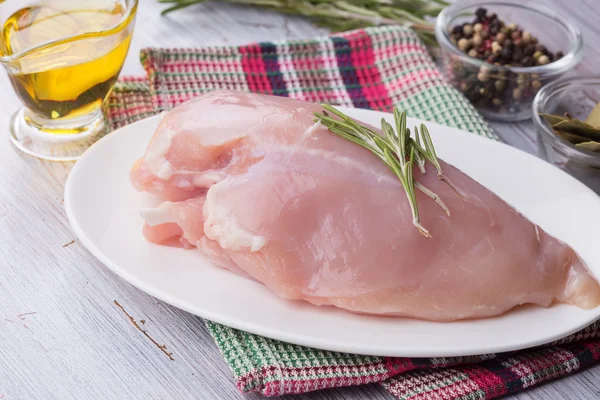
x=382 y=67
x=259 y=362
x=129 y=101
x=442 y=104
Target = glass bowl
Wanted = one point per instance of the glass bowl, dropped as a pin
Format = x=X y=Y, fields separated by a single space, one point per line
x=576 y=96
x=506 y=93
x=63 y=58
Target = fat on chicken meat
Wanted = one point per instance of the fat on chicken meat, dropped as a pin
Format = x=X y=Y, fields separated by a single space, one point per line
x=257 y=186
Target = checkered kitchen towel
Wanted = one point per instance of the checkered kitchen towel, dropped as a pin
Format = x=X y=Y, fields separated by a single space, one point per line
x=371 y=68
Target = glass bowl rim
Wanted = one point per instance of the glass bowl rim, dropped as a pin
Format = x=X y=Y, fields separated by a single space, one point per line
x=539 y=101
x=125 y=21
x=567 y=62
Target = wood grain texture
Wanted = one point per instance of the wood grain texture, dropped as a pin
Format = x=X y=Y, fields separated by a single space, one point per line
x=61 y=334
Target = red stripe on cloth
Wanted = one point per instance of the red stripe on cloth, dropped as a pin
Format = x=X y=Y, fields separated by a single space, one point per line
x=398 y=365
x=368 y=75
x=316 y=72
x=487 y=381
x=594 y=348
x=200 y=65
x=416 y=81
x=254 y=68
x=131 y=111
x=138 y=79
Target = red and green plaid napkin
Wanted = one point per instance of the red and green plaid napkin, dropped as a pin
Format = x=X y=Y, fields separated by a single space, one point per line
x=371 y=68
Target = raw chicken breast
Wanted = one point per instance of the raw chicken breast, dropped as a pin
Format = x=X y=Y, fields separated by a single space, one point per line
x=256 y=185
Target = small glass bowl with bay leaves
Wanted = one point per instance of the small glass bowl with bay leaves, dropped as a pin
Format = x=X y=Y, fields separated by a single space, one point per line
x=499 y=54
x=566 y=114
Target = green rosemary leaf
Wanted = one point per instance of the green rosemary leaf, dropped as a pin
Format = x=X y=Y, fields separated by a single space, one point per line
x=419 y=157
x=350 y=137
x=391 y=148
x=398 y=121
x=391 y=137
x=409 y=17
x=409 y=170
x=326 y=120
x=432 y=157
x=178 y=4
x=430 y=150
x=417 y=137
x=394 y=166
x=349 y=121
x=427 y=140
x=356 y=9
x=382 y=144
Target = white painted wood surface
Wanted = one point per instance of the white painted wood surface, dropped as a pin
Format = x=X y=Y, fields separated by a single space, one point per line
x=61 y=334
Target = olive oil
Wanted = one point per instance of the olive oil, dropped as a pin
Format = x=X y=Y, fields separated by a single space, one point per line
x=74 y=75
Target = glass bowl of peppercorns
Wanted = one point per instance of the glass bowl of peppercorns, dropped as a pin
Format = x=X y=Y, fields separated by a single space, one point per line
x=499 y=54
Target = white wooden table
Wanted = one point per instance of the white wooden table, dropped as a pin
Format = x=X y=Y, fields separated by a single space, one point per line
x=61 y=334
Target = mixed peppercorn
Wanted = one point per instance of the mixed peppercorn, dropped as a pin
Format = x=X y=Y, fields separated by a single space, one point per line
x=490 y=39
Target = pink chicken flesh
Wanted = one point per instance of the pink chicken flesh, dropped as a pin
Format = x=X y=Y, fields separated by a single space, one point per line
x=257 y=186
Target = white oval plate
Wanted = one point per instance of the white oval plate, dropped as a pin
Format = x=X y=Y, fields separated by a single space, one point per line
x=102 y=208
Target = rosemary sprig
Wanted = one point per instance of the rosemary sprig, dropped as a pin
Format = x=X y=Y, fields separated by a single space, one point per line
x=398 y=151
x=341 y=15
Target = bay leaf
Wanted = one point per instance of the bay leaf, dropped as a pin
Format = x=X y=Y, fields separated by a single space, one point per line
x=571 y=129
x=593 y=118
x=572 y=137
x=591 y=146
x=553 y=119
x=578 y=127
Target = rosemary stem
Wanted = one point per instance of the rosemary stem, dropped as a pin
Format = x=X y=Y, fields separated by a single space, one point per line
x=397 y=150
x=395 y=166
x=459 y=193
x=433 y=196
x=341 y=15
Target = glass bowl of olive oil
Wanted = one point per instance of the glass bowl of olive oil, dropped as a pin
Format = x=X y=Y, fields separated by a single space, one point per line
x=63 y=58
